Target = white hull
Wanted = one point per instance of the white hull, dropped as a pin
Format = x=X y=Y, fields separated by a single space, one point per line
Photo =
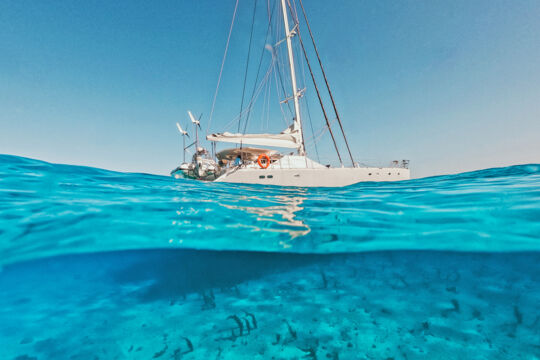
x=312 y=175
x=329 y=177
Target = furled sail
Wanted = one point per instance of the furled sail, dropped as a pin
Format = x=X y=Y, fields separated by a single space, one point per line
x=288 y=138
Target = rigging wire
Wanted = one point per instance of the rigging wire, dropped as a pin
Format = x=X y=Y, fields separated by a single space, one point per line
x=321 y=132
x=280 y=64
x=222 y=65
x=301 y=83
x=263 y=107
x=276 y=65
x=316 y=87
x=247 y=63
x=312 y=131
x=326 y=81
x=284 y=118
x=252 y=102
x=304 y=85
x=306 y=101
x=265 y=114
x=270 y=16
x=269 y=87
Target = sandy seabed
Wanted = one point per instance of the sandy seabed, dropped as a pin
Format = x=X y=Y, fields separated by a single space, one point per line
x=236 y=305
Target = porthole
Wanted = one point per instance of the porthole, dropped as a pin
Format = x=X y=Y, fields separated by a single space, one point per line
x=398 y=173
x=270 y=176
x=389 y=173
x=369 y=174
x=262 y=177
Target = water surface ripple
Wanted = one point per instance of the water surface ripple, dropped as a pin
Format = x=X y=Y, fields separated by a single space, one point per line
x=50 y=209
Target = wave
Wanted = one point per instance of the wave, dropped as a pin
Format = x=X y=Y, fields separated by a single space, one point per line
x=50 y=209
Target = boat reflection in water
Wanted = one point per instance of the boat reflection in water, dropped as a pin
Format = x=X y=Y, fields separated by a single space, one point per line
x=283 y=215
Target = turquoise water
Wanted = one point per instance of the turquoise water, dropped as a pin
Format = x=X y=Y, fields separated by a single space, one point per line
x=105 y=265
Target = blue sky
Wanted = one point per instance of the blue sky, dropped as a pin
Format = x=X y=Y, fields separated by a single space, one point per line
x=451 y=85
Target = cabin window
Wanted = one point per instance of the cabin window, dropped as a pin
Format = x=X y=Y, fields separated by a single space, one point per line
x=296 y=175
x=262 y=177
x=369 y=174
x=270 y=176
x=398 y=173
x=389 y=173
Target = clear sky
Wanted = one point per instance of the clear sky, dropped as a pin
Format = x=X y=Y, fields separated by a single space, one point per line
x=451 y=85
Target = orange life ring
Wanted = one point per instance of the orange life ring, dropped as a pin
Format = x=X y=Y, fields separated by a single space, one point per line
x=266 y=163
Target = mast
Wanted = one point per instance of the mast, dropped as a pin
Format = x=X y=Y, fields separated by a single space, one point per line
x=297 y=119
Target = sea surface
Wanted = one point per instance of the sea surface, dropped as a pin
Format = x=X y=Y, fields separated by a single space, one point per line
x=96 y=264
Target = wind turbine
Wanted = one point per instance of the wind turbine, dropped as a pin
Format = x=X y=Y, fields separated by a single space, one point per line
x=197 y=124
x=184 y=134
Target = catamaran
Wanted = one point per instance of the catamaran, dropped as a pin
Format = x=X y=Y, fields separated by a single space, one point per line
x=265 y=164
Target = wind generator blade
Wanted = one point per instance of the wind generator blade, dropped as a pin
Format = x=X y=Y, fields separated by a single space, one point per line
x=193 y=120
x=199 y=121
x=182 y=131
x=180 y=128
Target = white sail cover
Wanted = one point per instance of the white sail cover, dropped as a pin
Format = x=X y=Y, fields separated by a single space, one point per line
x=288 y=138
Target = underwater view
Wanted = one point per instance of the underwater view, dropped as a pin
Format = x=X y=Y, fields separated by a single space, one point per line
x=96 y=264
